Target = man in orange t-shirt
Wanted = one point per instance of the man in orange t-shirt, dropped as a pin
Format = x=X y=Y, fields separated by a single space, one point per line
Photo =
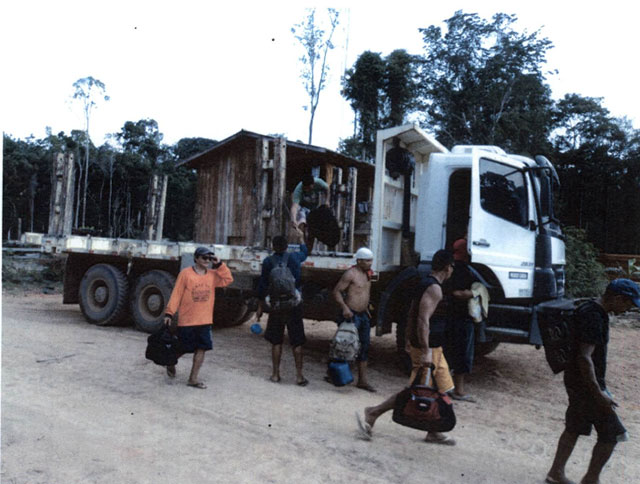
x=193 y=299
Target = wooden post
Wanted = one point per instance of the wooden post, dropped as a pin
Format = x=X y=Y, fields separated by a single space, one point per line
x=260 y=192
x=150 y=217
x=350 y=210
x=68 y=190
x=62 y=191
x=276 y=224
x=162 y=201
x=156 y=201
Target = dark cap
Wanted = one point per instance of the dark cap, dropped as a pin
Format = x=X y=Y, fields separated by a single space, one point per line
x=201 y=251
x=625 y=287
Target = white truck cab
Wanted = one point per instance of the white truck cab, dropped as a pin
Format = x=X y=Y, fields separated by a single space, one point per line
x=504 y=204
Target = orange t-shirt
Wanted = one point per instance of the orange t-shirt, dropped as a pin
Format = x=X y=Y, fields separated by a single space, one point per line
x=194 y=294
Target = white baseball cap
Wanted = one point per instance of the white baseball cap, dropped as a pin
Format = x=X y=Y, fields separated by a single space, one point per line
x=364 y=253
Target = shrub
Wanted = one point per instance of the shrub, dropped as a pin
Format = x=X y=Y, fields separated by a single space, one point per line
x=585 y=276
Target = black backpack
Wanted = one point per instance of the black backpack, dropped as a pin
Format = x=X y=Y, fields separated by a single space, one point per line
x=282 y=285
x=163 y=347
x=557 y=322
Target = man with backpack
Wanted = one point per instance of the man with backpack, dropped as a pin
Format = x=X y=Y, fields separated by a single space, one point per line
x=279 y=291
x=356 y=284
x=590 y=403
x=424 y=354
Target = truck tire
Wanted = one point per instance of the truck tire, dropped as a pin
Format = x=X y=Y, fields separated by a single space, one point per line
x=483 y=349
x=103 y=295
x=151 y=293
x=230 y=311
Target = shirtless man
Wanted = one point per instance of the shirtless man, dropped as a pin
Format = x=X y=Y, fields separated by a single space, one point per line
x=356 y=283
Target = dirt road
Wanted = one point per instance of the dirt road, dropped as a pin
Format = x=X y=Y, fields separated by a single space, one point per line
x=80 y=404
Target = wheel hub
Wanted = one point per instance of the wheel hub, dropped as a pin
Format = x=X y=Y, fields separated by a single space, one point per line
x=154 y=303
x=101 y=295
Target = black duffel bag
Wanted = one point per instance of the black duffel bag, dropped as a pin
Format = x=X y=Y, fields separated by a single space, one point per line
x=163 y=347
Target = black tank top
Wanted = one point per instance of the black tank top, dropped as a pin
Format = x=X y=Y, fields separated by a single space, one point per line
x=412 y=326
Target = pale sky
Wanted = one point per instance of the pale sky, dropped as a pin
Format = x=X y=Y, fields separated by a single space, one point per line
x=204 y=70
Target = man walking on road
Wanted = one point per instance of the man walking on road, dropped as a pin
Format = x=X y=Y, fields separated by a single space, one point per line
x=356 y=283
x=286 y=312
x=590 y=403
x=425 y=301
x=193 y=298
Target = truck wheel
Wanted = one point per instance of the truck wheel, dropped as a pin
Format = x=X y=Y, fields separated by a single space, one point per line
x=103 y=295
x=228 y=312
x=483 y=349
x=150 y=296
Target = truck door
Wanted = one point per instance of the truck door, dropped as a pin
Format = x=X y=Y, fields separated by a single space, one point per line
x=500 y=236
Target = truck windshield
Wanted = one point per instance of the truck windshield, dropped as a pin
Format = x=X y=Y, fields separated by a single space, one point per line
x=503 y=191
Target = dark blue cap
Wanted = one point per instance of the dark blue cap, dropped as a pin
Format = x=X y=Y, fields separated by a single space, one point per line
x=200 y=251
x=625 y=287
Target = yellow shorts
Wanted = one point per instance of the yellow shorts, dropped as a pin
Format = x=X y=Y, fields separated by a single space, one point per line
x=444 y=382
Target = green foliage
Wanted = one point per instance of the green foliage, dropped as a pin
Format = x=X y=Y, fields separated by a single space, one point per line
x=598 y=161
x=117 y=180
x=21 y=271
x=400 y=86
x=483 y=83
x=382 y=92
x=585 y=276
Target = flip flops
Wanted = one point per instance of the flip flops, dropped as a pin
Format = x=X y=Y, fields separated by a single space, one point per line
x=199 y=385
x=446 y=440
x=367 y=387
x=551 y=480
x=462 y=398
x=364 y=429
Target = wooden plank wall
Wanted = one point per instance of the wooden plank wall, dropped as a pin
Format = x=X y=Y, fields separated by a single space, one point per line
x=225 y=210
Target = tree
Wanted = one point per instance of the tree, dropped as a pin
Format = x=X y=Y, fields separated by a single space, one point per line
x=400 y=86
x=362 y=87
x=597 y=158
x=483 y=83
x=382 y=92
x=88 y=91
x=316 y=43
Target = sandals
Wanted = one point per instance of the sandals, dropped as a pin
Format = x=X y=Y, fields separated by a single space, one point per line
x=367 y=387
x=364 y=429
x=199 y=385
x=446 y=440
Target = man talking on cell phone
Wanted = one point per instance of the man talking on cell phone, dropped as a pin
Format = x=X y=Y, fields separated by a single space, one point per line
x=193 y=298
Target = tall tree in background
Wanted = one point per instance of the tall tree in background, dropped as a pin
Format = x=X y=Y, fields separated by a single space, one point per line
x=317 y=44
x=88 y=91
x=400 y=87
x=362 y=87
x=382 y=92
x=597 y=158
x=483 y=83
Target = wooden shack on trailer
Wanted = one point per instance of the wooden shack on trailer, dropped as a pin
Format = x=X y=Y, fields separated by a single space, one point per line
x=245 y=183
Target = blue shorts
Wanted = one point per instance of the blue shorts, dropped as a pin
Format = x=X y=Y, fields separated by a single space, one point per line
x=195 y=338
x=362 y=321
